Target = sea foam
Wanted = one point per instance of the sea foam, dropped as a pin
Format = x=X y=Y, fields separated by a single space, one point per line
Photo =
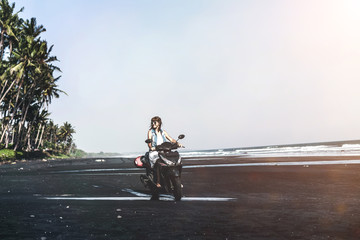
x=321 y=149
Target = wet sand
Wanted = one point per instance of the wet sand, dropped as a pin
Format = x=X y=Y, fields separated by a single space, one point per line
x=268 y=202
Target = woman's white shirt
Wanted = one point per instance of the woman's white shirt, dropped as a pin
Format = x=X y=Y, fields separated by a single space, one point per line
x=159 y=138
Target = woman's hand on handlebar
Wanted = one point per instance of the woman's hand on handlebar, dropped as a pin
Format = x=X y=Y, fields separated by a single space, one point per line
x=180 y=145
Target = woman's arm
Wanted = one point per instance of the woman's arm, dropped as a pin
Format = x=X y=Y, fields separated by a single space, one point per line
x=150 y=137
x=169 y=138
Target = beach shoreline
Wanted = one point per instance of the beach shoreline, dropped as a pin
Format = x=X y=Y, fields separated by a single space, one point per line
x=269 y=202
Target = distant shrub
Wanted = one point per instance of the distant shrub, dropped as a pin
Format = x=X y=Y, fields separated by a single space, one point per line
x=35 y=155
x=19 y=155
x=7 y=154
x=78 y=153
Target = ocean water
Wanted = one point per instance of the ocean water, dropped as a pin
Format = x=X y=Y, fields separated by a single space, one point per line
x=345 y=148
x=341 y=148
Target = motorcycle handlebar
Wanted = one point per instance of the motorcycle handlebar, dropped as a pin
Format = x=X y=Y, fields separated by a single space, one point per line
x=165 y=146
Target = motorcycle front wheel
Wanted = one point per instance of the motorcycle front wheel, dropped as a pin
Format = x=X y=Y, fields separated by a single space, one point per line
x=176 y=182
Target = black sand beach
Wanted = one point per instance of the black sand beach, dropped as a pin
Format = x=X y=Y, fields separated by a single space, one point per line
x=267 y=202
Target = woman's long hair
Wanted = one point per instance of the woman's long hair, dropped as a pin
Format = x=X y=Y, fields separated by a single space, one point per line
x=156 y=119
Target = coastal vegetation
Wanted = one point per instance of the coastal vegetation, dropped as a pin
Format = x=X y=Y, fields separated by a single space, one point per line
x=28 y=84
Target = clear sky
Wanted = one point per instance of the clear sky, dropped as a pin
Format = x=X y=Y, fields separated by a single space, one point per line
x=226 y=73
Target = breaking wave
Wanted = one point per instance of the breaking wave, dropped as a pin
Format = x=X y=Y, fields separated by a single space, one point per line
x=321 y=149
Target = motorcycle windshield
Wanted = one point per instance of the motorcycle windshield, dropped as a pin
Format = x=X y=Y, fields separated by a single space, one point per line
x=170 y=156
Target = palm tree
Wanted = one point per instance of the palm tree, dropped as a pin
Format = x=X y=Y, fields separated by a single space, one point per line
x=27 y=85
x=26 y=57
x=50 y=135
x=9 y=23
x=66 y=131
x=34 y=74
x=66 y=134
x=41 y=120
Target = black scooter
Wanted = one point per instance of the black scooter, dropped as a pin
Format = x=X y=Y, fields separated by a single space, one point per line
x=170 y=166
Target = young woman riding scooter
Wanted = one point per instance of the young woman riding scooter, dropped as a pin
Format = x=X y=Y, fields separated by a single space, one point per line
x=157 y=136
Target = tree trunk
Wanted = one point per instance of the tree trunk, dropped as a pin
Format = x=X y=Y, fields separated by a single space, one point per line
x=41 y=136
x=4 y=87
x=5 y=128
x=11 y=85
x=2 y=44
x=13 y=137
x=3 y=133
x=22 y=122
x=28 y=138
x=11 y=47
x=7 y=139
x=37 y=135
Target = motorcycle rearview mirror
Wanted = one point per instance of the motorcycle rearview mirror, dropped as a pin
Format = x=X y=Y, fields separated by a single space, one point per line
x=181 y=136
x=148 y=140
